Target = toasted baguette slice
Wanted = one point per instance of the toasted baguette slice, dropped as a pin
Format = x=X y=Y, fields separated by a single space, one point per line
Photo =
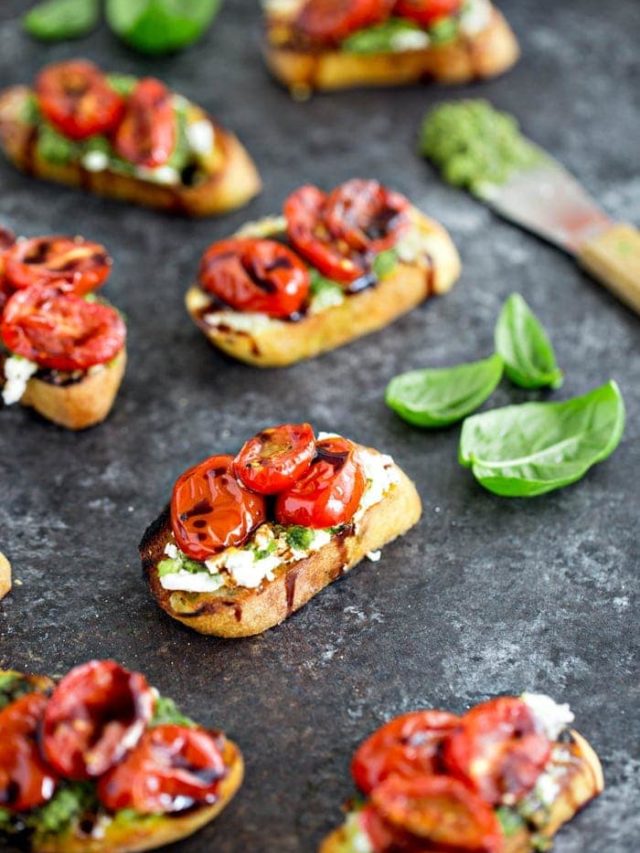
x=232 y=178
x=5 y=576
x=242 y=612
x=582 y=781
x=278 y=343
x=488 y=53
x=81 y=404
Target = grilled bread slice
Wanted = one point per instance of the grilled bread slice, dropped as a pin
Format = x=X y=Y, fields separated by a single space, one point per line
x=231 y=176
x=278 y=343
x=234 y=611
x=489 y=52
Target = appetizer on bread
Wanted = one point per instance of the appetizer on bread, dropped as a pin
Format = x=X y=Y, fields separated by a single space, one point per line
x=320 y=45
x=335 y=266
x=248 y=540
x=503 y=778
x=100 y=763
x=62 y=349
x=126 y=138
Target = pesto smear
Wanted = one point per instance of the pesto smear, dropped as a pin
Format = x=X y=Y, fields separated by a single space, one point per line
x=474 y=144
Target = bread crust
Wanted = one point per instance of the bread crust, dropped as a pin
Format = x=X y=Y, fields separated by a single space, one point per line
x=583 y=781
x=490 y=52
x=242 y=612
x=282 y=343
x=82 y=404
x=232 y=181
x=5 y=576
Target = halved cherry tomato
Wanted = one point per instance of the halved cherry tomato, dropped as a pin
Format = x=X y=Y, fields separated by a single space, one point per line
x=148 y=132
x=95 y=715
x=498 y=750
x=331 y=21
x=255 y=275
x=25 y=780
x=273 y=460
x=75 y=264
x=329 y=493
x=426 y=12
x=76 y=97
x=407 y=746
x=211 y=509
x=341 y=233
x=59 y=330
x=438 y=810
x=170 y=770
x=7 y=240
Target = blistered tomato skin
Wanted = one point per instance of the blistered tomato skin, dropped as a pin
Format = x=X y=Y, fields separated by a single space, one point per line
x=25 y=780
x=211 y=510
x=148 y=132
x=329 y=493
x=331 y=21
x=78 y=266
x=407 y=746
x=498 y=750
x=172 y=769
x=426 y=12
x=95 y=715
x=276 y=458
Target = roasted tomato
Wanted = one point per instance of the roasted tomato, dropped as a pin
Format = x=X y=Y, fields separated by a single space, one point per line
x=96 y=714
x=76 y=97
x=148 y=132
x=171 y=769
x=76 y=265
x=426 y=12
x=498 y=750
x=437 y=812
x=211 y=509
x=61 y=331
x=408 y=746
x=25 y=780
x=273 y=460
x=329 y=493
x=341 y=233
x=255 y=275
x=331 y=21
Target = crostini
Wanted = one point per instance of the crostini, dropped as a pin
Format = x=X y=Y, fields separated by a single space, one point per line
x=62 y=349
x=100 y=763
x=335 y=266
x=315 y=45
x=248 y=540
x=126 y=138
x=503 y=778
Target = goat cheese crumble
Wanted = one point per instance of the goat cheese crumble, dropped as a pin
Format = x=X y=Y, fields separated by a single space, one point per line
x=200 y=136
x=17 y=371
x=551 y=717
x=475 y=17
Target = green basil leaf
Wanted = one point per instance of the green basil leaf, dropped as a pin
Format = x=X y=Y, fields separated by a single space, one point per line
x=166 y=712
x=441 y=396
x=529 y=359
x=58 y=20
x=383 y=38
x=160 y=26
x=384 y=263
x=527 y=450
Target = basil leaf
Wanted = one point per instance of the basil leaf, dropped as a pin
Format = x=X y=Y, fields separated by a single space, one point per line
x=527 y=450
x=57 y=20
x=160 y=26
x=384 y=38
x=441 y=396
x=529 y=359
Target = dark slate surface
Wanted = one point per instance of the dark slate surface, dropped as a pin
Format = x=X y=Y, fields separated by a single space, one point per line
x=485 y=595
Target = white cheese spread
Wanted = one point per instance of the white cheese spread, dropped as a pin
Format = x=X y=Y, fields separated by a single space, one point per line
x=410 y=40
x=17 y=372
x=95 y=161
x=240 y=321
x=163 y=175
x=475 y=17
x=201 y=137
x=551 y=717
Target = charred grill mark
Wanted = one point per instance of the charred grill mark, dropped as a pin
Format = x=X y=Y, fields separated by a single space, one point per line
x=336 y=459
x=290 y=589
x=203 y=507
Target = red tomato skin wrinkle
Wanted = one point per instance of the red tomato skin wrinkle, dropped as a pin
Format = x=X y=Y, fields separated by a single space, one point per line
x=170 y=770
x=427 y=12
x=276 y=458
x=96 y=714
x=211 y=510
x=78 y=266
x=148 y=132
x=25 y=780
x=331 y=21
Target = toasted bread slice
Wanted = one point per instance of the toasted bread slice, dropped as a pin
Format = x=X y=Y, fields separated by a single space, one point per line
x=5 y=576
x=277 y=343
x=241 y=612
x=581 y=781
x=232 y=178
x=81 y=404
x=488 y=53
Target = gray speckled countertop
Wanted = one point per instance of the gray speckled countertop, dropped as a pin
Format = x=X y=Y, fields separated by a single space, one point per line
x=486 y=595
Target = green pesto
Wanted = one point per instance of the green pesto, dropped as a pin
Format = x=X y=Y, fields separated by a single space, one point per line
x=379 y=38
x=55 y=147
x=123 y=84
x=166 y=713
x=444 y=30
x=70 y=801
x=299 y=538
x=384 y=263
x=13 y=685
x=262 y=553
x=510 y=821
x=475 y=145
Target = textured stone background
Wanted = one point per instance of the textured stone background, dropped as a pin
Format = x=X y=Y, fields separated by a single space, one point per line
x=485 y=595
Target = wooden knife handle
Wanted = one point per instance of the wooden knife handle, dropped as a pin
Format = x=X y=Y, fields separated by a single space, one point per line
x=613 y=257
